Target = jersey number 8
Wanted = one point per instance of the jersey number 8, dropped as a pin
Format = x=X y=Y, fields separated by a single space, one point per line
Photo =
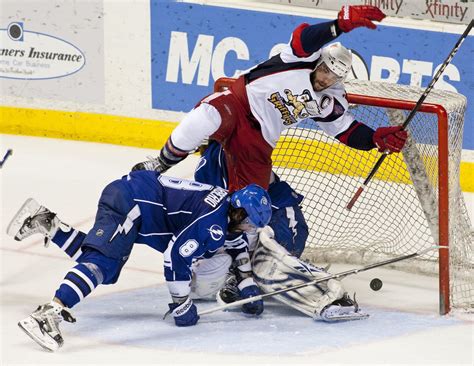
x=188 y=248
x=183 y=184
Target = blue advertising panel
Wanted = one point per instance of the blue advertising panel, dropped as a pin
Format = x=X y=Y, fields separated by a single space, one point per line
x=192 y=45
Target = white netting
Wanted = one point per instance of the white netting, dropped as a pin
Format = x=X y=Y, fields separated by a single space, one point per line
x=394 y=215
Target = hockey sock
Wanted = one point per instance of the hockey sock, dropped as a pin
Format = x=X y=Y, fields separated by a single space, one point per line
x=78 y=283
x=70 y=242
x=171 y=155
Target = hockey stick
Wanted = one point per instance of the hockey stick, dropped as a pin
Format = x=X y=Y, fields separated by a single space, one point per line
x=310 y=283
x=7 y=154
x=413 y=112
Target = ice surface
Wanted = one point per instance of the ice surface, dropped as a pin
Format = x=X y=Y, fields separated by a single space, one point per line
x=135 y=318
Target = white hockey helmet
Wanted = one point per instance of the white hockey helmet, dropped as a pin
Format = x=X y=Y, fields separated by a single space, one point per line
x=337 y=58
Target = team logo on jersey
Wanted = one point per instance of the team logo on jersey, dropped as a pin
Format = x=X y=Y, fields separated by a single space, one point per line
x=295 y=107
x=216 y=232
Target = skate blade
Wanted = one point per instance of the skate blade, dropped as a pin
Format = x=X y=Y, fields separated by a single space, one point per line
x=345 y=318
x=29 y=207
x=29 y=326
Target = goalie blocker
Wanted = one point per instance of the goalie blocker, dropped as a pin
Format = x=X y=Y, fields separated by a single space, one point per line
x=274 y=269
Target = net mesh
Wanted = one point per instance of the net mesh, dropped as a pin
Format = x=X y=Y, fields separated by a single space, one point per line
x=397 y=213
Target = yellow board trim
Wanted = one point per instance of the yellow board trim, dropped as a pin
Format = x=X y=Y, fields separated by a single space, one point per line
x=85 y=127
x=153 y=134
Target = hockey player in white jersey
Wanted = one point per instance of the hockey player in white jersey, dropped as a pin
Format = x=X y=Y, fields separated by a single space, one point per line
x=184 y=220
x=304 y=81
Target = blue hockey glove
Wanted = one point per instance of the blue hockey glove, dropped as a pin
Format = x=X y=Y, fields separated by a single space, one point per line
x=254 y=308
x=185 y=314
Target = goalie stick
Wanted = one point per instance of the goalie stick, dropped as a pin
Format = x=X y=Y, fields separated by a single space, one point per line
x=334 y=276
x=413 y=112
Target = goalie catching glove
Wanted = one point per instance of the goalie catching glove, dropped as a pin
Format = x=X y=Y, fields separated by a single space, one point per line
x=353 y=16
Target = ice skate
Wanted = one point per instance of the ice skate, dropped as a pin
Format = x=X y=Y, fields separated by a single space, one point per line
x=32 y=218
x=43 y=325
x=342 y=310
x=153 y=164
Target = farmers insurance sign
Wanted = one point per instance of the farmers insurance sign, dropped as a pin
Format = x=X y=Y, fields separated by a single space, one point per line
x=26 y=54
x=52 y=51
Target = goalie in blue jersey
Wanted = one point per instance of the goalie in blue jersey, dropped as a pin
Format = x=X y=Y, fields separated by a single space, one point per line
x=184 y=220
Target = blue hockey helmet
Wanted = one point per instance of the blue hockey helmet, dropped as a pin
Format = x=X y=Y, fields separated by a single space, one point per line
x=256 y=202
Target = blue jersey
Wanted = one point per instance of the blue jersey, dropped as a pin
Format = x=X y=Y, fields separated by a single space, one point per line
x=175 y=207
x=183 y=219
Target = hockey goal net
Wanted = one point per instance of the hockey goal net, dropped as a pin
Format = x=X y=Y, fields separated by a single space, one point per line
x=413 y=202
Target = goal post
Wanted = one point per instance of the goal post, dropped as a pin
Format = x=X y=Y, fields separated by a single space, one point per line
x=413 y=202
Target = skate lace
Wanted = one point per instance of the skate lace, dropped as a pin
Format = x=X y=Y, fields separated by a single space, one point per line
x=49 y=318
x=32 y=226
x=41 y=222
x=52 y=321
x=156 y=164
x=152 y=163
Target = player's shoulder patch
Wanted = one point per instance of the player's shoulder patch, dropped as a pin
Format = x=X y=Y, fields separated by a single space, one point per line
x=216 y=232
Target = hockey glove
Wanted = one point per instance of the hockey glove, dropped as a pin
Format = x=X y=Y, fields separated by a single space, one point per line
x=255 y=307
x=392 y=139
x=353 y=16
x=185 y=313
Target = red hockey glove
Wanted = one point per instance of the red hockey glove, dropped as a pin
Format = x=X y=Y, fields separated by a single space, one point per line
x=353 y=16
x=390 y=138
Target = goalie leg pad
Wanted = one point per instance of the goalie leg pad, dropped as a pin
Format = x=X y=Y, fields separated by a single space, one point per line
x=209 y=275
x=274 y=269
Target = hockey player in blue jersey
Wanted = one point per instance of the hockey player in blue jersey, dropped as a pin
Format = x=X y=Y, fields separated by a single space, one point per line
x=184 y=220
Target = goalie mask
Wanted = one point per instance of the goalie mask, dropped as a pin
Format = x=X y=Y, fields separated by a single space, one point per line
x=256 y=203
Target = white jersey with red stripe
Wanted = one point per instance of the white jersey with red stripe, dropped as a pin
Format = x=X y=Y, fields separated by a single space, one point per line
x=280 y=95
